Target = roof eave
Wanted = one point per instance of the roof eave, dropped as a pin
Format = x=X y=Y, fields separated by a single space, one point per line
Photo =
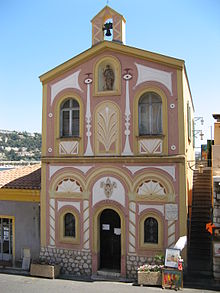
x=123 y=49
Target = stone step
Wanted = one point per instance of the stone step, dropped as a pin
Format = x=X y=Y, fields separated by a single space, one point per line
x=200 y=221
x=108 y=274
x=200 y=236
x=201 y=213
x=205 y=267
x=201 y=196
x=201 y=206
x=203 y=246
x=194 y=251
x=202 y=252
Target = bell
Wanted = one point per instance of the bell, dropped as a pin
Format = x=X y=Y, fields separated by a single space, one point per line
x=108 y=33
x=107 y=27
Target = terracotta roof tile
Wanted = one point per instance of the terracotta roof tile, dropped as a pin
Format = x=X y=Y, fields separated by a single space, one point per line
x=28 y=177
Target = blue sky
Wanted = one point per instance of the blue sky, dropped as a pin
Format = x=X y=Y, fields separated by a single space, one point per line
x=36 y=36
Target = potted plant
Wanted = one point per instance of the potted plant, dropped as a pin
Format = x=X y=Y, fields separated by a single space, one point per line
x=43 y=269
x=151 y=274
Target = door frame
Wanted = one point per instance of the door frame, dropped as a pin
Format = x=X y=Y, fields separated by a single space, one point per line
x=113 y=217
x=96 y=237
x=13 y=235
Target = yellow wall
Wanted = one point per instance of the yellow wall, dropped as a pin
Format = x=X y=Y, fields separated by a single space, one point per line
x=20 y=195
x=217 y=133
x=189 y=149
x=44 y=120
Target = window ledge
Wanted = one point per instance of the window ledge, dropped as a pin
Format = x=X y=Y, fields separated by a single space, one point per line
x=151 y=136
x=69 y=240
x=151 y=247
x=107 y=93
x=69 y=138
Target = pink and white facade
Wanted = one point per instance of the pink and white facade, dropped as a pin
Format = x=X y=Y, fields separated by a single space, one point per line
x=120 y=182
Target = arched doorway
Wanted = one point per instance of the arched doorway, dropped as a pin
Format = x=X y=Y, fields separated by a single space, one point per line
x=110 y=240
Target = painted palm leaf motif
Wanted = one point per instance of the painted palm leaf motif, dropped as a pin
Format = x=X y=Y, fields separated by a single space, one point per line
x=68 y=185
x=107 y=127
x=150 y=188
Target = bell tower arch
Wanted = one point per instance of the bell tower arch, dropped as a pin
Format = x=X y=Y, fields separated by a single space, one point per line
x=108 y=22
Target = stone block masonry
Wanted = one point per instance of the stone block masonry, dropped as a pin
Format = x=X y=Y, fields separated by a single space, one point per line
x=134 y=262
x=79 y=263
x=72 y=262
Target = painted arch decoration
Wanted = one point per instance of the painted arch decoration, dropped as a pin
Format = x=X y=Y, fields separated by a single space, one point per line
x=151 y=188
x=108 y=188
x=155 y=187
x=68 y=185
x=71 y=81
x=146 y=73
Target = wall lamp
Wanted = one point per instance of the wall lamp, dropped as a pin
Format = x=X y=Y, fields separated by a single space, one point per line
x=199 y=119
x=200 y=167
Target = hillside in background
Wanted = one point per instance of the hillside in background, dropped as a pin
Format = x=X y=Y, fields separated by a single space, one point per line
x=16 y=146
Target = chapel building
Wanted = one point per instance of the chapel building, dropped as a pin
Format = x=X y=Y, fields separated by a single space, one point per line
x=117 y=135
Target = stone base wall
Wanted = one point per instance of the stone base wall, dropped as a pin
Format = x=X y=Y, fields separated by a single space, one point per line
x=72 y=262
x=134 y=262
x=79 y=263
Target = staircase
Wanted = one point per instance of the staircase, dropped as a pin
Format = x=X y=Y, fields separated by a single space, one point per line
x=200 y=240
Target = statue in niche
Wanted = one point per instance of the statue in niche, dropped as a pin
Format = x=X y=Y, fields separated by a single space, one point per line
x=109 y=78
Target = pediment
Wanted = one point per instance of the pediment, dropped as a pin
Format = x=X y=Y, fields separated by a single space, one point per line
x=115 y=47
x=107 y=11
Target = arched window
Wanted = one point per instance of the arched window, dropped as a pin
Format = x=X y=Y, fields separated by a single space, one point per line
x=69 y=113
x=69 y=225
x=150 y=114
x=151 y=230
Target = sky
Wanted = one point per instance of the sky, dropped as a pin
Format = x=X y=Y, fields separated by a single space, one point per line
x=38 y=35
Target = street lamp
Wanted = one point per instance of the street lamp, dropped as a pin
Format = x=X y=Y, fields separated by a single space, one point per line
x=199 y=118
x=199 y=131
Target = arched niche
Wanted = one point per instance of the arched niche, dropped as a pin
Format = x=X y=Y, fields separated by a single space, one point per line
x=107 y=76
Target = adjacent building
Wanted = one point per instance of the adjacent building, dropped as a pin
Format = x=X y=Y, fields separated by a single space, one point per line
x=19 y=214
x=117 y=140
x=216 y=197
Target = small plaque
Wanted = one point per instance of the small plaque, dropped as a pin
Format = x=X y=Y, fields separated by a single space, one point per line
x=105 y=227
x=117 y=231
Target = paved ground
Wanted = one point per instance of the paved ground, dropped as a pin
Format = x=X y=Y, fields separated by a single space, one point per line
x=26 y=284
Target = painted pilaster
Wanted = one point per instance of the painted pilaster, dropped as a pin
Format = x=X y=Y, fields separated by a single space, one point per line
x=43 y=204
x=171 y=234
x=52 y=222
x=127 y=149
x=89 y=151
x=132 y=227
x=86 y=224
